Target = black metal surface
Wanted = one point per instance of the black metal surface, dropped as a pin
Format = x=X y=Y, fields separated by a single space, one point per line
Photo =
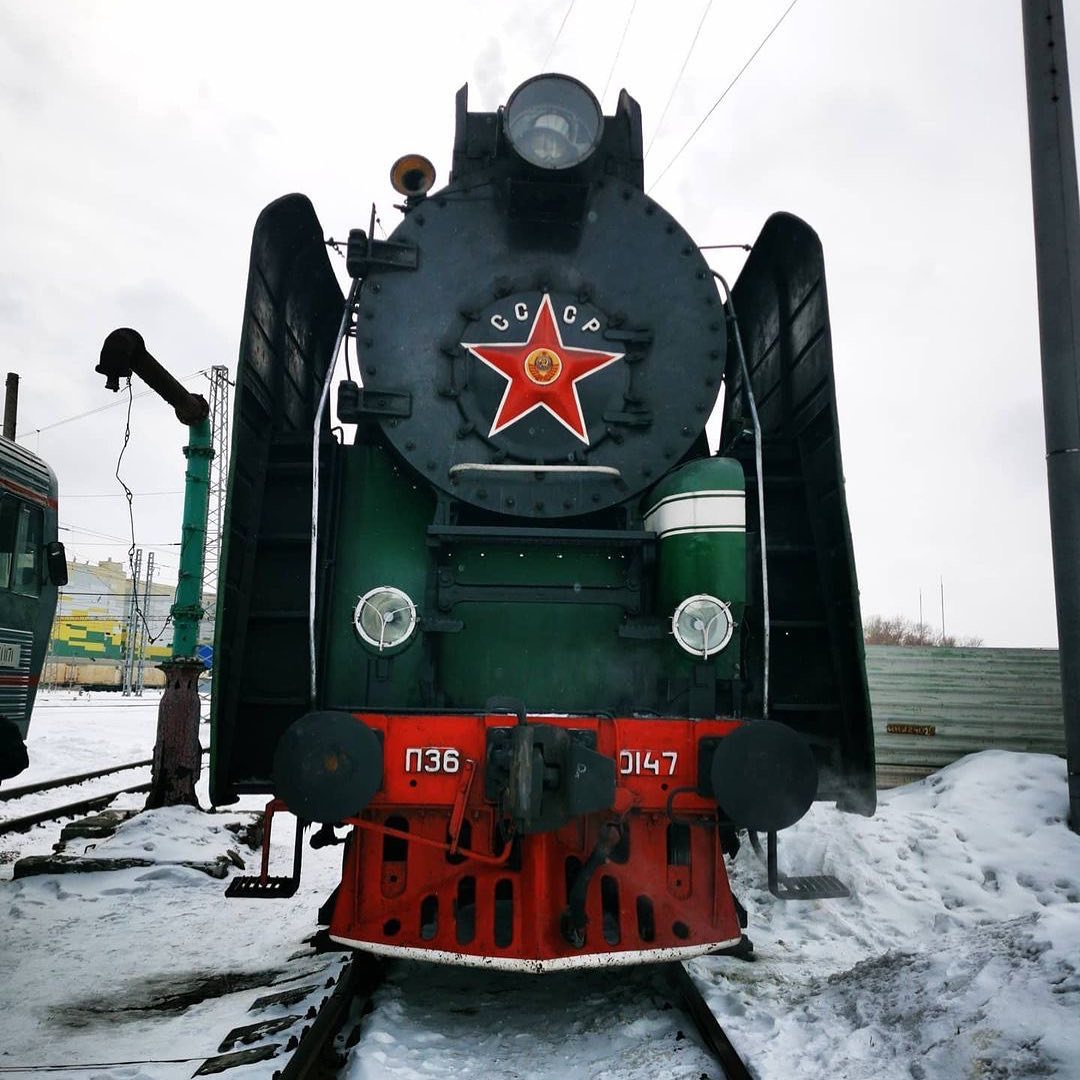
x=484 y=264
x=292 y=313
x=269 y=886
x=632 y=594
x=1057 y=259
x=542 y=775
x=495 y=534
x=13 y=756
x=124 y=353
x=365 y=254
x=573 y=920
x=355 y=405
x=480 y=146
x=709 y=1028
x=327 y=766
x=763 y=776
x=784 y=887
x=817 y=669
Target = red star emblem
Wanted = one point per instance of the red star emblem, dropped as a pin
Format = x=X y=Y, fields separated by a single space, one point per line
x=542 y=373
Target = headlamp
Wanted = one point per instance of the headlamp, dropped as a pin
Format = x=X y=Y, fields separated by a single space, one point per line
x=385 y=617
x=702 y=625
x=553 y=121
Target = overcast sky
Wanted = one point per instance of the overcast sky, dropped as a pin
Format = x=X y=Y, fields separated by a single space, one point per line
x=140 y=141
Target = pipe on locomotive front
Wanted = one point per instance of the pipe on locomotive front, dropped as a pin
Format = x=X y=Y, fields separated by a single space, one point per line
x=346 y=315
x=759 y=468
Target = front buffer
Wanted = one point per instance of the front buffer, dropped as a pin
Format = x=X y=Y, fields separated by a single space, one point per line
x=554 y=842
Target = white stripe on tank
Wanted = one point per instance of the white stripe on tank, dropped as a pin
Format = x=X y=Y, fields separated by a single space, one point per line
x=693 y=512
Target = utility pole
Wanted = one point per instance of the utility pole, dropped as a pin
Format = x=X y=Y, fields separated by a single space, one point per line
x=1057 y=264
x=11 y=405
x=140 y=674
x=132 y=631
x=219 y=475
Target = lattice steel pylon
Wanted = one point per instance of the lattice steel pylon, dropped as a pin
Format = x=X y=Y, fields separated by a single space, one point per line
x=219 y=471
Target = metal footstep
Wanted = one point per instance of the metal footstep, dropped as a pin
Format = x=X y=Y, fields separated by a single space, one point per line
x=265 y=886
x=815 y=887
x=269 y=888
x=812 y=887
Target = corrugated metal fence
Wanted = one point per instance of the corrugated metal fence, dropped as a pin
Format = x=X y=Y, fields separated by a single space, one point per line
x=932 y=706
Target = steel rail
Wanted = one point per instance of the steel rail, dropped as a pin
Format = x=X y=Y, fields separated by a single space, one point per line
x=77 y=778
x=712 y=1034
x=97 y=802
x=313 y=1051
x=68 y=781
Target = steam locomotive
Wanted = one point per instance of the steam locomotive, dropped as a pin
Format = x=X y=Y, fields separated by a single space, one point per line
x=537 y=649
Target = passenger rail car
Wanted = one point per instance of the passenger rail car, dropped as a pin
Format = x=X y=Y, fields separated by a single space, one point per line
x=538 y=663
x=32 y=565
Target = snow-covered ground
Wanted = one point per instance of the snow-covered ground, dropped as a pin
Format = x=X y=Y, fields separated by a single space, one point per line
x=956 y=956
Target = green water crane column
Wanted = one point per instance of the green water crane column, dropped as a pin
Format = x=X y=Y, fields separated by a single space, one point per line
x=177 y=754
x=187 y=611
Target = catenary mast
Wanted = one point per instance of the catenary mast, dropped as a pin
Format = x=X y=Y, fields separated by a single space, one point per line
x=1057 y=265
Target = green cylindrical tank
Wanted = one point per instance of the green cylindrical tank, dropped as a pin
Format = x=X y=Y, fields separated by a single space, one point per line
x=698 y=513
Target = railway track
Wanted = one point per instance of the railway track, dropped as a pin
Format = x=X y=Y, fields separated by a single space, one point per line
x=320 y=1051
x=708 y=1026
x=20 y=822
x=308 y=1047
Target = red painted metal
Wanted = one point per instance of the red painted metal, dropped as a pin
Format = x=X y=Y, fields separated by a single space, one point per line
x=40 y=497
x=428 y=866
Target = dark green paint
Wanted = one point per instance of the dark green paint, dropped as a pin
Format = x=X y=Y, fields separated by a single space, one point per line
x=381 y=540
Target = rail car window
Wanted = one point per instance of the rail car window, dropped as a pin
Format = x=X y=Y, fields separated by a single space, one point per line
x=9 y=525
x=26 y=572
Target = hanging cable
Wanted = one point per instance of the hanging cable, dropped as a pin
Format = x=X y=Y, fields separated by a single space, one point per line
x=130 y=496
x=618 y=50
x=558 y=34
x=678 y=78
x=727 y=90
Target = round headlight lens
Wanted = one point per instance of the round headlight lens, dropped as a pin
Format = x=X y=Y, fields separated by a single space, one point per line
x=385 y=617
x=702 y=625
x=553 y=121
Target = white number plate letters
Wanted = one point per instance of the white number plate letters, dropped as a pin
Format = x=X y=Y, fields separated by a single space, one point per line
x=642 y=762
x=432 y=759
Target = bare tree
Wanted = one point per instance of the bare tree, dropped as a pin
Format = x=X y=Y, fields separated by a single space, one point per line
x=897 y=630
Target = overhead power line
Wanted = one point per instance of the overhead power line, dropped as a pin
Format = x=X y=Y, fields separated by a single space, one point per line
x=115 y=494
x=678 y=78
x=558 y=34
x=92 y=532
x=727 y=90
x=101 y=408
x=121 y=543
x=618 y=50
